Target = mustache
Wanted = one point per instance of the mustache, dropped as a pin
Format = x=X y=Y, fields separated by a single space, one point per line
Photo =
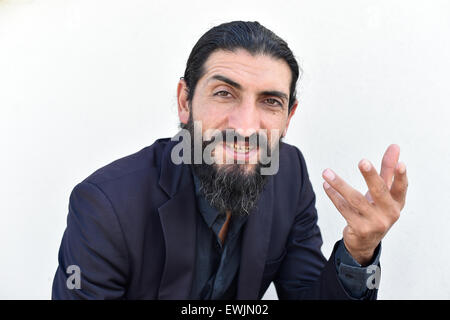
x=255 y=140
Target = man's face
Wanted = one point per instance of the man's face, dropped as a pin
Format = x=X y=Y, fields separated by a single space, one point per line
x=243 y=93
x=246 y=95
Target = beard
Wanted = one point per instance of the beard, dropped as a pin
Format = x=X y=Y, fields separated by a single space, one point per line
x=232 y=187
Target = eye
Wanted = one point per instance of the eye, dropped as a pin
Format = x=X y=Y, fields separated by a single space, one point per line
x=273 y=102
x=222 y=93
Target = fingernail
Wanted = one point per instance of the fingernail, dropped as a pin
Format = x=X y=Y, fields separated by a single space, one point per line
x=401 y=167
x=328 y=174
x=365 y=165
x=326 y=185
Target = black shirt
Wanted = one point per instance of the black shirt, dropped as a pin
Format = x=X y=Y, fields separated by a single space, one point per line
x=217 y=265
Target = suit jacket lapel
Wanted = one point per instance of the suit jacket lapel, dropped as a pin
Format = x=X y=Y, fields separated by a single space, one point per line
x=255 y=244
x=178 y=220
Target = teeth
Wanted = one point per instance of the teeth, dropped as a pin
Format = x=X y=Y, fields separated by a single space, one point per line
x=238 y=148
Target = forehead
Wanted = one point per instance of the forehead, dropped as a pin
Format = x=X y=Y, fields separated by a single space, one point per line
x=251 y=71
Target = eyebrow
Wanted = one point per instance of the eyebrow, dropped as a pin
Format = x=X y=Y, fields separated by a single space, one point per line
x=276 y=93
x=226 y=80
x=236 y=85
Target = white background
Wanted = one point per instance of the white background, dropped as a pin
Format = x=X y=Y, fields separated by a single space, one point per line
x=83 y=83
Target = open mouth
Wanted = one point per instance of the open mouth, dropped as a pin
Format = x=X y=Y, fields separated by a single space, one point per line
x=240 y=148
x=239 y=151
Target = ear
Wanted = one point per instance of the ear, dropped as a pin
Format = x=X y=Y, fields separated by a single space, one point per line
x=183 y=105
x=294 y=107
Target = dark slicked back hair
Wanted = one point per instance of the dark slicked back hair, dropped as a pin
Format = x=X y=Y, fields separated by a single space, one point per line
x=230 y=36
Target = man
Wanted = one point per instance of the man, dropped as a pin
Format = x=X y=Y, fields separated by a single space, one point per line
x=216 y=225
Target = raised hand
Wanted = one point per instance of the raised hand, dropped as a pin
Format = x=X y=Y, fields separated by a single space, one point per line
x=369 y=217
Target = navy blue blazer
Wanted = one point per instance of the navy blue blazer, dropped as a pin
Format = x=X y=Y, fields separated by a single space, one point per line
x=131 y=231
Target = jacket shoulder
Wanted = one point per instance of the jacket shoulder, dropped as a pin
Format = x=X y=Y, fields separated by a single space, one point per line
x=146 y=159
x=292 y=162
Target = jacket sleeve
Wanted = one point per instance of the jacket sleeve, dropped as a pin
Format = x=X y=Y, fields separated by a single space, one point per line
x=92 y=244
x=305 y=273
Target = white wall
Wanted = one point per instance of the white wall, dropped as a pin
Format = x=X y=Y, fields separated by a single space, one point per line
x=83 y=83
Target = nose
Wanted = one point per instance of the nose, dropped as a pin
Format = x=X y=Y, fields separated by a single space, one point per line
x=245 y=118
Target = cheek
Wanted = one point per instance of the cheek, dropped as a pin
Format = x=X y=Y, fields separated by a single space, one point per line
x=274 y=117
x=211 y=117
x=275 y=126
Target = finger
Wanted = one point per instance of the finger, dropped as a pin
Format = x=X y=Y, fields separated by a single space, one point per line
x=378 y=189
x=353 y=197
x=369 y=197
x=343 y=207
x=400 y=184
x=388 y=163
